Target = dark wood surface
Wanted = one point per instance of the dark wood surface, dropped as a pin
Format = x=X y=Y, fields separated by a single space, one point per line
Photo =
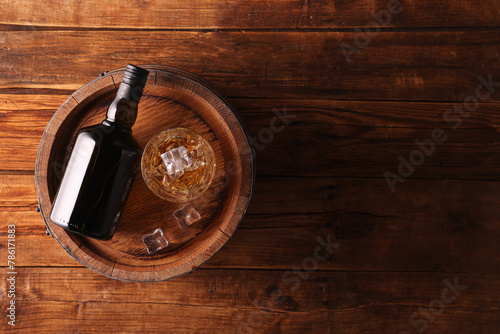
x=395 y=254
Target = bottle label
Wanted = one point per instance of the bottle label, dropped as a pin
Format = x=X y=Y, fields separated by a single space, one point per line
x=72 y=179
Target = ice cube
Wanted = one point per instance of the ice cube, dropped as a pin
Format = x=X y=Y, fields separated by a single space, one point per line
x=186 y=216
x=176 y=160
x=197 y=159
x=154 y=241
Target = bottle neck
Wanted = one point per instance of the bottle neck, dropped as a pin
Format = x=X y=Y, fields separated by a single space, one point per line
x=123 y=110
x=130 y=92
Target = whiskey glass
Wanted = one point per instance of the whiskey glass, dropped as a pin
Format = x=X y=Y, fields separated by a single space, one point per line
x=178 y=165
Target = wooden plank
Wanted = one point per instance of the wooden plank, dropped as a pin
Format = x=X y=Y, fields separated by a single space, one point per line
x=18 y=192
x=76 y=299
x=342 y=138
x=238 y=14
x=369 y=139
x=377 y=230
x=418 y=66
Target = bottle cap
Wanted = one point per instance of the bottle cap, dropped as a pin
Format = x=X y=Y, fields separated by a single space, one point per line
x=135 y=76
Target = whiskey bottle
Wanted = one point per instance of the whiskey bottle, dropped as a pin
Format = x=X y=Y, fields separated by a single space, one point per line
x=102 y=166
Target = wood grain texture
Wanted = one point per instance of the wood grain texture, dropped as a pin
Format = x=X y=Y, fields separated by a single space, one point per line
x=322 y=174
x=377 y=230
x=350 y=138
x=245 y=14
x=428 y=66
x=61 y=300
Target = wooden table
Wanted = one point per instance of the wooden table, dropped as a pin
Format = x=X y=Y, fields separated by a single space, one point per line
x=376 y=208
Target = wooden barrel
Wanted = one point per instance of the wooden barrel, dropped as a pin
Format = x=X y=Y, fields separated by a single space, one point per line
x=172 y=98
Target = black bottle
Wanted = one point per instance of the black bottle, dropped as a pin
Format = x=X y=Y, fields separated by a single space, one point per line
x=102 y=166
